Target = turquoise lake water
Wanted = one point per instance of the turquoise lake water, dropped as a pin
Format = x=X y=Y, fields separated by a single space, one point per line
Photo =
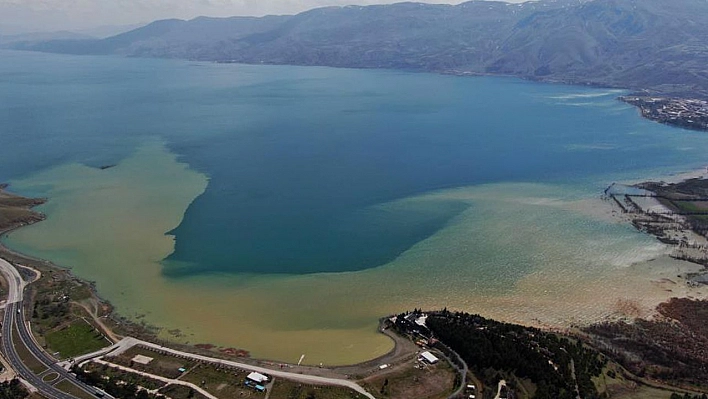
x=308 y=170
x=298 y=158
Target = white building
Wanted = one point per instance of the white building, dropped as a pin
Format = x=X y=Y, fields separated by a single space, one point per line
x=429 y=357
x=258 y=378
x=421 y=320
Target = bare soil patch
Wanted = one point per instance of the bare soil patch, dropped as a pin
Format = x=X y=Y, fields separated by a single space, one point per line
x=413 y=379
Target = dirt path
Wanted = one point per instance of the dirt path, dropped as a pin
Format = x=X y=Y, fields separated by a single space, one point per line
x=502 y=384
x=129 y=342
x=159 y=378
x=92 y=310
x=575 y=379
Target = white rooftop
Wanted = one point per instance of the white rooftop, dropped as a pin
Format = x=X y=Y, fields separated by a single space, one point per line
x=142 y=359
x=421 y=320
x=429 y=357
x=257 y=377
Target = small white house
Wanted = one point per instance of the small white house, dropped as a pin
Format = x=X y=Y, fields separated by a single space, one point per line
x=421 y=320
x=257 y=378
x=429 y=357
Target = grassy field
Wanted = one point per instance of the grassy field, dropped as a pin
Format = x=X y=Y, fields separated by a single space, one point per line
x=120 y=375
x=49 y=377
x=223 y=383
x=163 y=365
x=77 y=338
x=68 y=387
x=642 y=392
x=54 y=304
x=283 y=389
x=27 y=357
x=695 y=206
x=181 y=392
x=613 y=383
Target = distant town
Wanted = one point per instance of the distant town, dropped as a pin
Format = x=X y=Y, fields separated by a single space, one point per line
x=685 y=113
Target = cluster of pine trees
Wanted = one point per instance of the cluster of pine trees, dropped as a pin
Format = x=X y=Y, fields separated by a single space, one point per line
x=555 y=364
x=12 y=390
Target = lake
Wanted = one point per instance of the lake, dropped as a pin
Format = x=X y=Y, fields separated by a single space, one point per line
x=283 y=209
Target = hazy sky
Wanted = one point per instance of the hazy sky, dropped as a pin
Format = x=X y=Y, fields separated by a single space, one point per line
x=47 y=15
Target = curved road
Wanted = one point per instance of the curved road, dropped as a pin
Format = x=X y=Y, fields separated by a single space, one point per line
x=14 y=319
x=129 y=342
x=14 y=359
x=15 y=316
x=16 y=285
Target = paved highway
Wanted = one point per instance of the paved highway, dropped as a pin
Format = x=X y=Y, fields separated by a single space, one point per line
x=13 y=358
x=14 y=319
x=16 y=284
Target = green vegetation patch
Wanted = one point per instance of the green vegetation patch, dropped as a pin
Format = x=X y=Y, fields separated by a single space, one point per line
x=687 y=196
x=691 y=206
x=181 y=392
x=119 y=383
x=71 y=389
x=222 y=382
x=108 y=373
x=77 y=338
x=49 y=377
x=283 y=389
x=162 y=364
x=559 y=367
x=13 y=389
x=52 y=306
x=15 y=210
x=696 y=207
x=79 y=292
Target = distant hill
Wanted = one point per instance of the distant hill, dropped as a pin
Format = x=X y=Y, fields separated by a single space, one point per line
x=658 y=45
x=104 y=31
x=29 y=39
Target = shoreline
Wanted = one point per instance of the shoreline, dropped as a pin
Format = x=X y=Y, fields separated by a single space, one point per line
x=681 y=112
x=149 y=332
x=636 y=96
x=28 y=261
x=655 y=212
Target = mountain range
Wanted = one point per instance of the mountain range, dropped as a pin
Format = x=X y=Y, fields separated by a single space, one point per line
x=660 y=46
